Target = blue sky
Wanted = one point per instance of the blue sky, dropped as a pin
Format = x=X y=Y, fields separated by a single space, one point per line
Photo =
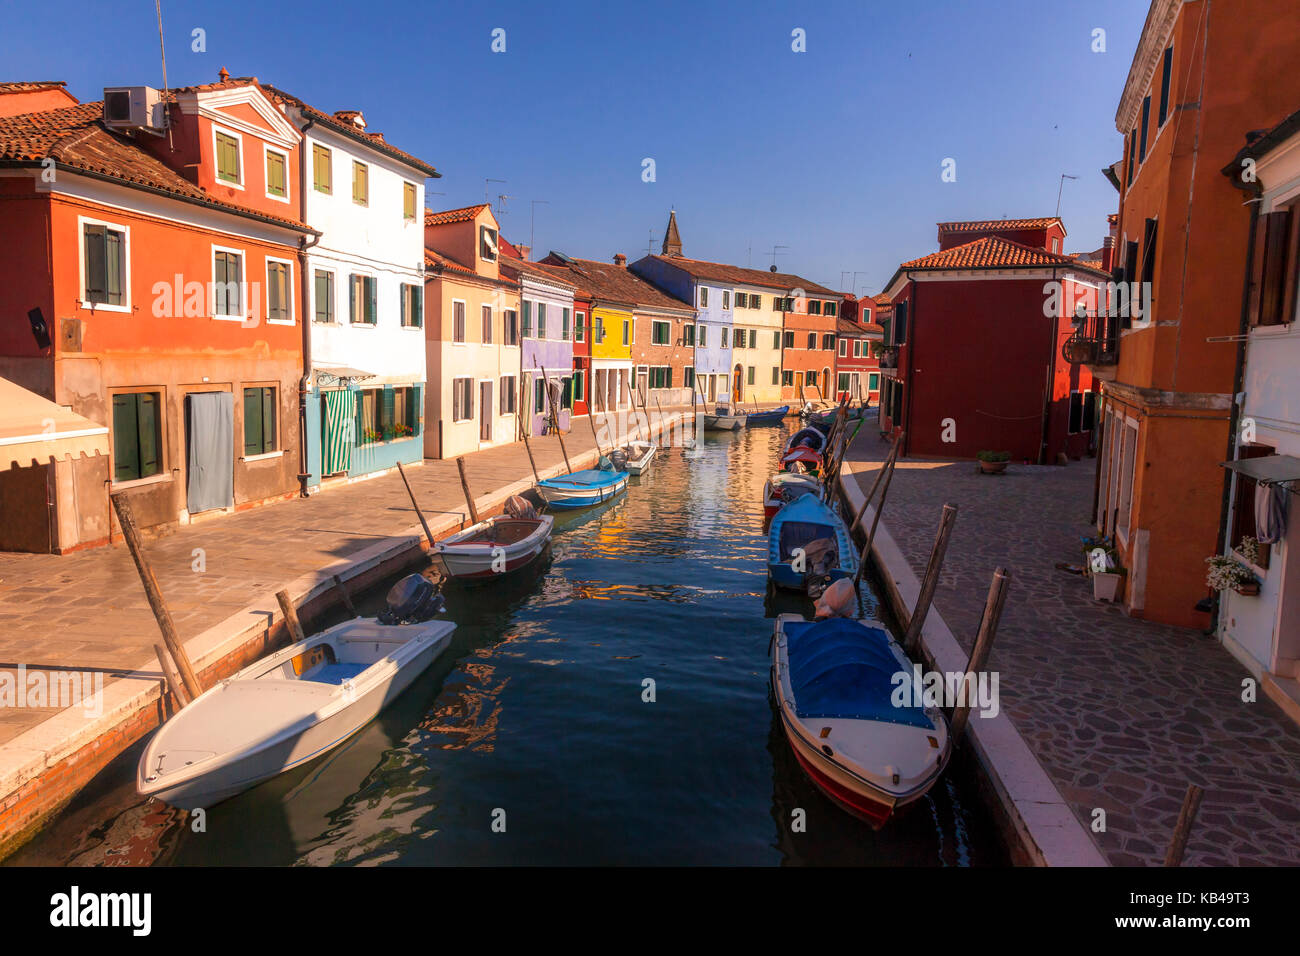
x=835 y=152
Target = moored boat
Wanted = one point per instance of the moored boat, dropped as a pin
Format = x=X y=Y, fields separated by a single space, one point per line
x=724 y=419
x=841 y=688
x=496 y=546
x=809 y=546
x=582 y=488
x=775 y=417
x=640 y=454
x=804 y=457
x=294 y=705
x=784 y=487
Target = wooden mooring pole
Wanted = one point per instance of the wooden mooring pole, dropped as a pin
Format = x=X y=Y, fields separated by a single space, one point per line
x=1183 y=829
x=523 y=431
x=555 y=415
x=126 y=518
x=346 y=595
x=174 y=681
x=930 y=581
x=979 y=654
x=415 y=504
x=291 y=617
x=464 y=486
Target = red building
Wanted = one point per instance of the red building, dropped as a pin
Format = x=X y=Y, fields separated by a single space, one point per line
x=972 y=358
x=150 y=284
x=857 y=352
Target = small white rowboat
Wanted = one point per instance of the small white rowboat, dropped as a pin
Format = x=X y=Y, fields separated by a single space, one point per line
x=639 y=456
x=289 y=708
x=495 y=546
x=723 y=420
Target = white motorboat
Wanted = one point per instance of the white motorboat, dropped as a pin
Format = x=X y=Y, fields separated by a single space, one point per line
x=294 y=706
x=724 y=419
x=867 y=746
x=639 y=456
x=495 y=546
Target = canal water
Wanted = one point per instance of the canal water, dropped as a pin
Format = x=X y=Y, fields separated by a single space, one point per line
x=538 y=720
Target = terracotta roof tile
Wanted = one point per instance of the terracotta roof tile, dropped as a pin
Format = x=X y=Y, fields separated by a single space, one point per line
x=721 y=272
x=991 y=252
x=447 y=216
x=75 y=138
x=29 y=86
x=983 y=225
x=604 y=280
x=519 y=267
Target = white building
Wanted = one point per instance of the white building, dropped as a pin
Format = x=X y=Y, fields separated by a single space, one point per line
x=364 y=294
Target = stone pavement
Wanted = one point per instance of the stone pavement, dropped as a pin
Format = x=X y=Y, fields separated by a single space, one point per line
x=1122 y=714
x=87 y=610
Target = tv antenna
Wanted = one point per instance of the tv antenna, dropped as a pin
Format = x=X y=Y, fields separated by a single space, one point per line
x=775 y=253
x=650 y=244
x=1064 y=177
x=487 y=187
x=501 y=204
x=162 y=49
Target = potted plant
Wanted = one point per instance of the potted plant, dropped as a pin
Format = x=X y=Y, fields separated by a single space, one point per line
x=1229 y=574
x=993 y=462
x=1101 y=563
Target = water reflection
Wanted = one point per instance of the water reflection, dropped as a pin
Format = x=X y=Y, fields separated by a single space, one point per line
x=609 y=707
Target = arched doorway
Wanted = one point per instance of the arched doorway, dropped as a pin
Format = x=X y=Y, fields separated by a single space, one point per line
x=737 y=385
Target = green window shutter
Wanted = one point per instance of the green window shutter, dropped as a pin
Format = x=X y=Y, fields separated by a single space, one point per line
x=275 y=291
x=113 y=271
x=96 y=284
x=386 y=418
x=372 y=305
x=324 y=289
x=126 y=439
x=352 y=298
x=418 y=292
x=417 y=408
x=252 y=421
x=148 y=419
x=269 y=409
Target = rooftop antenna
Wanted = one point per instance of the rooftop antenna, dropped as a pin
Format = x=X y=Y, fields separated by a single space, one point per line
x=749 y=255
x=855 y=280
x=532 y=215
x=1064 y=177
x=162 y=49
x=487 y=186
x=501 y=203
x=650 y=245
x=775 y=253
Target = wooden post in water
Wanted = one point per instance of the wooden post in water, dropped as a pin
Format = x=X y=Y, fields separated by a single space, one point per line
x=347 y=597
x=662 y=426
x=174 y=681
x=290 y=616
x=1183 y=829
x=930 y=581
x=875 y=520
x=464 y=486
x=979 y=654
x=555 y=415
x=126 y=518
x=415 y=504
x=523 y=430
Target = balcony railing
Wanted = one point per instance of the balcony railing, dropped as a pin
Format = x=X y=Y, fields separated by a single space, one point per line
x=1095 y=341
x=889 y=356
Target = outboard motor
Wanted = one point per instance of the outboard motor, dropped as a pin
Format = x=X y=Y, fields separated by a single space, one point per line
x=618 y=459
x=822 y=556
x=517 y=507
x=412 y=600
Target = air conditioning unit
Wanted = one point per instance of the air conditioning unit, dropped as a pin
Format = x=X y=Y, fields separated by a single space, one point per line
x=134 y=107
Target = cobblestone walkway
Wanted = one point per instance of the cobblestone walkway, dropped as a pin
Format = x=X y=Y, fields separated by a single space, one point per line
x=87 y=610
x=1123 y=714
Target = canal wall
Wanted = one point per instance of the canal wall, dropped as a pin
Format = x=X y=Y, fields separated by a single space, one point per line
x=42 y=769
x=1037 y=823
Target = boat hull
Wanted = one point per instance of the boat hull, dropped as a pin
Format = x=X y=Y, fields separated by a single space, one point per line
x=724 y=423
x=558 y=495
x=805 y=511
x=477 y=562
x=775 y=417
x=645 y=456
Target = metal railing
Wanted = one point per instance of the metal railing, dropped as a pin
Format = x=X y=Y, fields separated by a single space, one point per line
x=1095 y=341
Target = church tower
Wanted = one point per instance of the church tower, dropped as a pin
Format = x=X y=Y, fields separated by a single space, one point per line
x=672 y=240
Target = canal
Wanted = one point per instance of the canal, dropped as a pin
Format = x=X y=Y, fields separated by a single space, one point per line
x=537 y=719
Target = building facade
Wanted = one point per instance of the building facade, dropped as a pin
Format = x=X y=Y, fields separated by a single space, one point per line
x=809 y=318
x=546 y=322
x=472 y=336
x=364 y=292
x=158 y=275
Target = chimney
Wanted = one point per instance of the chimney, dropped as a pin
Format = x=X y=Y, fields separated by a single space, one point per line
x=620 y=260
x=223 y=74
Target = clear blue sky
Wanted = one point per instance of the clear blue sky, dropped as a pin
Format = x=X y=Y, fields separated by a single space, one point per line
x=834 y=153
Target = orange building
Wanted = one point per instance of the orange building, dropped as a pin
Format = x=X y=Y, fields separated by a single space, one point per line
x=809 y=317
x=1204 y=76
x=34 y=97
x=151 y=285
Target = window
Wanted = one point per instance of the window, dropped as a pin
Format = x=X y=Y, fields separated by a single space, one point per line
x=857 y=348
x=228 y=284
x=787 y=377
x=866 y=315
x=749 y=375
x=900 y=323
x=528 y=319
x=814 y=307
x=844 y=348
x=725 y=330
x=368 y=407
x=789 y=340
x=1164 y=86
x=741 y=300
x=1089 y=411
x=1273 y=275
x=404 y=418
x=704 y=296
x=487 y=324
x=564 y=325
x=810 y=379
x=566 y=393
x=688 y=376
x=277 y=183
x=703 y=336
x=259 y=421
x=1132 y=154
x=487 y=243
x=627 y=331
x=828 y=342
x=360 y=183
x=511 y=324
x=776 y=340
x=661 y=333
x=137 y=435
x=726 y=300
x=1076 y=413
x=228 y=170
x=458 y=321
x=1126 y=485
x=408 y=201
x=577 y=385
x=873 y=382
x=462 y=399
x=1148 y=264
x=541 y=320
x=1056 y=244
x=279 y=295
x=832 y=308
x=1146 y=112
x=363 y=303
x=322 y=176
x=508 y=386
x=579 y=327
x=105 y=265
x=324 y=296
x=599 y=329
x=812 y=340
x=541 y=402
x=843 y=382
x=412 y=306
x=776 y=375
x=660 y=376
x=740 y=339
x=688 y=334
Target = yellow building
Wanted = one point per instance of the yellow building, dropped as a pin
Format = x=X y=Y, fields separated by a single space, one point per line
x=755 y=346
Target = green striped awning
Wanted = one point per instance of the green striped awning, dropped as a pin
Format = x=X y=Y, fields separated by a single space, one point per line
x=339 y=431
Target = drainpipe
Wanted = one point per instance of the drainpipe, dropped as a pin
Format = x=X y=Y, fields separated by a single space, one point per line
x=304 y=285
x=1255 y=191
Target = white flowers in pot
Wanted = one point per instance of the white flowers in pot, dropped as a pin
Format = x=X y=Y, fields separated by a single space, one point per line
x=1227 y=574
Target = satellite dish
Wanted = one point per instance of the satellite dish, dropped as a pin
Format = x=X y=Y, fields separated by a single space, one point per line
x=772 y=268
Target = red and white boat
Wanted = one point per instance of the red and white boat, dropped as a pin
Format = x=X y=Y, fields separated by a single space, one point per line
x=810 y=460
x=494 y=547
x=784 y=487
x=846 y=691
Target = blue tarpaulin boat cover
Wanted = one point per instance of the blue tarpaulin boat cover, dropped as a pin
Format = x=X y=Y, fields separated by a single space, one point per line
x=841 y=668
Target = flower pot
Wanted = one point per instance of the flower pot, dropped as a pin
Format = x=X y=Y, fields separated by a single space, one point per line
x=1106 y=585
x=993 y=467
x=1248 y=589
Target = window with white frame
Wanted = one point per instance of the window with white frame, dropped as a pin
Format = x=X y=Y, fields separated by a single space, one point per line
x=277 y=175
x=462 y=399
x=279 y=291
x=844 y=348
x=226 y=150
x=487 y=324
x=227 y=283
x=105 y=265
x=458 y=321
